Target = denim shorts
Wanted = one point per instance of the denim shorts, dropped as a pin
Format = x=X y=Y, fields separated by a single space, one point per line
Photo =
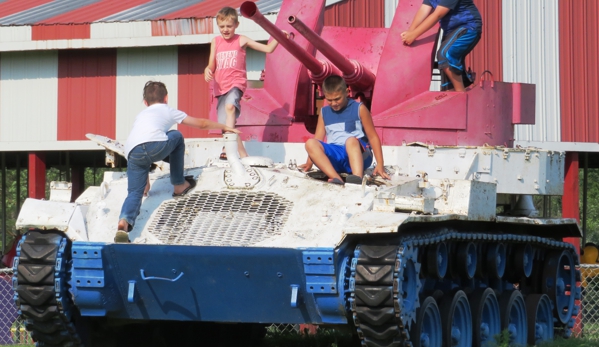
x=232 y=97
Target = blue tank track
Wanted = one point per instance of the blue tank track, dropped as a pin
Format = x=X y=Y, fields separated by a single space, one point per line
x=385 y=282
x=40 y=282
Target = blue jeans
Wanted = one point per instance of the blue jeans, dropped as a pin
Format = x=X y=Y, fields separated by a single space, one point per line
x=140 y=159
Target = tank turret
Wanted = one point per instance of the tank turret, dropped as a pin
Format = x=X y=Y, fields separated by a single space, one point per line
x=357 y=77
x=319 y=70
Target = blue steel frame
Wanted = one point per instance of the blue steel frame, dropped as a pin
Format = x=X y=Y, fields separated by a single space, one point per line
x=208 y=283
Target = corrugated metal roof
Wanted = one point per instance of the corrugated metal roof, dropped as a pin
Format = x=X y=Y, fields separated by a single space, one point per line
x=151 y=10
x=31 y=12
x=202 y=10
x=95 y=11
x=269 y=6
x=45 y=11
x=15 y=6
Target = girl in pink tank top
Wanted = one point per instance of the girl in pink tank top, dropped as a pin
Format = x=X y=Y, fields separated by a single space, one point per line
x=226 y=67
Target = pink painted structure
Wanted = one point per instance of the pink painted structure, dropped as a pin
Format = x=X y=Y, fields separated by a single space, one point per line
x=393 y=79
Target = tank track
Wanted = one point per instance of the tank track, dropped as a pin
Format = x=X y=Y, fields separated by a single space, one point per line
x=40 y=282
x=380 y=301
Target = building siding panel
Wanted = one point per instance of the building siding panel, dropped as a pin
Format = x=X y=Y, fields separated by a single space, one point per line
x=60 y=32
x=136 y=66
x=119 y=30
x=255 y=62
x=390 y=7
x=28 y=96
x=194 y=92
x=185 y=26
x=487 y=53
x=356 y=13
x=530 y=55
x=15 y=34
x=578 y=70
x=86 y=93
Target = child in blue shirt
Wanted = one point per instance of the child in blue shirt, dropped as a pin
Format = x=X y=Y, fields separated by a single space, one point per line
x=351 y=137
x=462 y=27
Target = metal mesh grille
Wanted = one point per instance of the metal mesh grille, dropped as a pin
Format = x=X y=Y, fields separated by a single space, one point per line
x=221 y=218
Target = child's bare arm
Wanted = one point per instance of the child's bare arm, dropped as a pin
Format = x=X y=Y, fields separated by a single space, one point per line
x=209 y=70
x=420 y=16
x=202 y=123
x=374 y=140
x=408 y=37
x=260 y=47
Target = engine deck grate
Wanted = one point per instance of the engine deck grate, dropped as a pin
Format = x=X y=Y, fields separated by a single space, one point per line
x=208 y=218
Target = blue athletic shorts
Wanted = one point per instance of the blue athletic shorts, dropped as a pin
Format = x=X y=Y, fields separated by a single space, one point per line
x=454 y=48
x=338 y=156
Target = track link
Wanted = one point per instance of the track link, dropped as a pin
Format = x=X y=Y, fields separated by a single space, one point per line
x=40 y=282
x=384 y=292
x=374 y=296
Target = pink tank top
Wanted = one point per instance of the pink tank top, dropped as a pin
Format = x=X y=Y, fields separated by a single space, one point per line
x=230 y=65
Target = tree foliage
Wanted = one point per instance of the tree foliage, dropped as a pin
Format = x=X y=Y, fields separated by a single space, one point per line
x=92 y=176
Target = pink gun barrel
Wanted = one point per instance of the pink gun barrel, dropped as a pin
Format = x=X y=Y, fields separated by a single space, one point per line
x=359 y=78
x=319 y=70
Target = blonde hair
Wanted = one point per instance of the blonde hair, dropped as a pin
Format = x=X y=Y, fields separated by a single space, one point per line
x=226 y=13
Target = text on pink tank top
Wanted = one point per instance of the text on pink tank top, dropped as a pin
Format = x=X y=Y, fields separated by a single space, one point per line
x=230 y=65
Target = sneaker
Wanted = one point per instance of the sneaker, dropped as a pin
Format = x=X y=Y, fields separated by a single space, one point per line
x=121 y=237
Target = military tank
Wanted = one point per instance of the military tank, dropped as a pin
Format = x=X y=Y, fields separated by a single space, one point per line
x=448 y=252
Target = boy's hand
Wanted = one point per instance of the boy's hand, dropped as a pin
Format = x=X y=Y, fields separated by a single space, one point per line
x=305 y=167
x=408 y=37
x=231 y=130
x=208 y=76
x=380 y=170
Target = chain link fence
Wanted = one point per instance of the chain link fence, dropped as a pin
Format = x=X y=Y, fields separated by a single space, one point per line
x=12 y=329
x=588 y=326
x=13 y=332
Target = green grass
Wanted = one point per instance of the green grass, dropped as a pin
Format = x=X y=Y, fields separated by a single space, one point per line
x=324 y=337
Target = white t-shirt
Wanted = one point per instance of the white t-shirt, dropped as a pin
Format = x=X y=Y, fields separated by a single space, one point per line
x=151 y=125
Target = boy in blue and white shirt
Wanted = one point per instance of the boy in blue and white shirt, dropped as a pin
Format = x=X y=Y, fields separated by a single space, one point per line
x=462 y=27
x=351 y=137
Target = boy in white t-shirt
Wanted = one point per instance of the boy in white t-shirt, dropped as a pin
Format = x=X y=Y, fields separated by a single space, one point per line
x=151 y=140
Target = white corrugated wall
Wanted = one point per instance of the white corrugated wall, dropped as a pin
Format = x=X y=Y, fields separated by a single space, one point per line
x=531 y=55
x=390 y=7
x=28 y=96
x=136 y=66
